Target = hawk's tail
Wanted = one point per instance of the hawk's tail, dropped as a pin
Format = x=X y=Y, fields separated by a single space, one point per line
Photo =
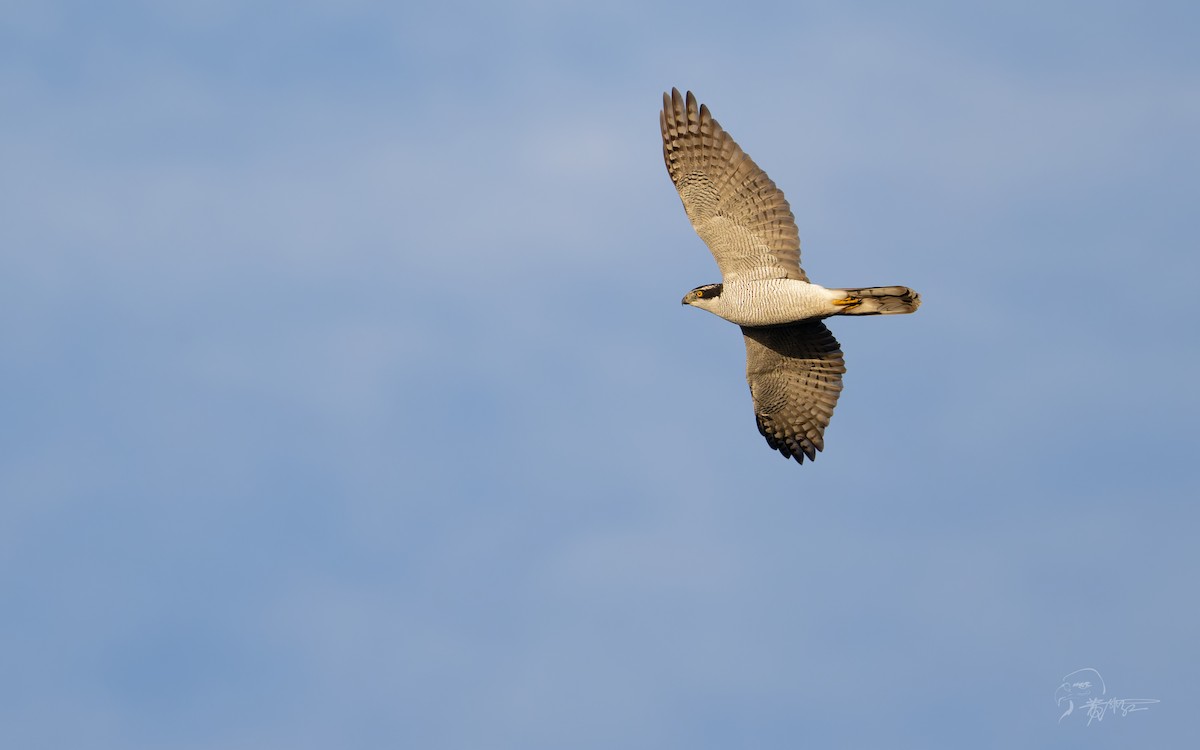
x=878 y=300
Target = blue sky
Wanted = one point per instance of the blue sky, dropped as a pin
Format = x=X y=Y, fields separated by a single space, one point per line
x=350 y=402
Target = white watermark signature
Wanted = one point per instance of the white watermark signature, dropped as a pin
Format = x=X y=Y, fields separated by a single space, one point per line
x=1085 y=689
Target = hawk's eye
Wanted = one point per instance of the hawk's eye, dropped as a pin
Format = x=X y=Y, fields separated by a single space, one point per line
x=699 y=292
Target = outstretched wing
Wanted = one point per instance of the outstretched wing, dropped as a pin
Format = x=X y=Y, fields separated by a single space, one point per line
x=734 y=207
x=795 y=375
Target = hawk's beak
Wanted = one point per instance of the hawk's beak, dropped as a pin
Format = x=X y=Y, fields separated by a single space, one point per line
x=689 y=298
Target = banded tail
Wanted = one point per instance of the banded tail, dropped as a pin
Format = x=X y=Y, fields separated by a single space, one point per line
x=877 y=300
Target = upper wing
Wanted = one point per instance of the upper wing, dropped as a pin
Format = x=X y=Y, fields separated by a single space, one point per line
x=734 y=207
x=795 y=376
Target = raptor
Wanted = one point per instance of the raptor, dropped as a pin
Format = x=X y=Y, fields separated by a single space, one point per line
x=794 y=365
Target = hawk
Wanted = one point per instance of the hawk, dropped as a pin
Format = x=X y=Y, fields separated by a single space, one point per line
x=794 y=364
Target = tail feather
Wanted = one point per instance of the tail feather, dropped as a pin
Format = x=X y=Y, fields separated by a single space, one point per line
x=881 y=300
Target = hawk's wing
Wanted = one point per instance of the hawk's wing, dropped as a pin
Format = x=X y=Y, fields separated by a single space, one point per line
x=734 y=207
x=795 y=375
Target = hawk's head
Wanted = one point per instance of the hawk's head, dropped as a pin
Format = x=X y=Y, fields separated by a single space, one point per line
x=702 y=293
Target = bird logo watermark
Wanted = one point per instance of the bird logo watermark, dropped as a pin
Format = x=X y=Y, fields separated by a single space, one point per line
x=1084 y=689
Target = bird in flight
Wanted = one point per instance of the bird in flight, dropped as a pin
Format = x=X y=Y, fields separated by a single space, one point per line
x=794 y=364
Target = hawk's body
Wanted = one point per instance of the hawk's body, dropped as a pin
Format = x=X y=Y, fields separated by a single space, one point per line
x=793 y=363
